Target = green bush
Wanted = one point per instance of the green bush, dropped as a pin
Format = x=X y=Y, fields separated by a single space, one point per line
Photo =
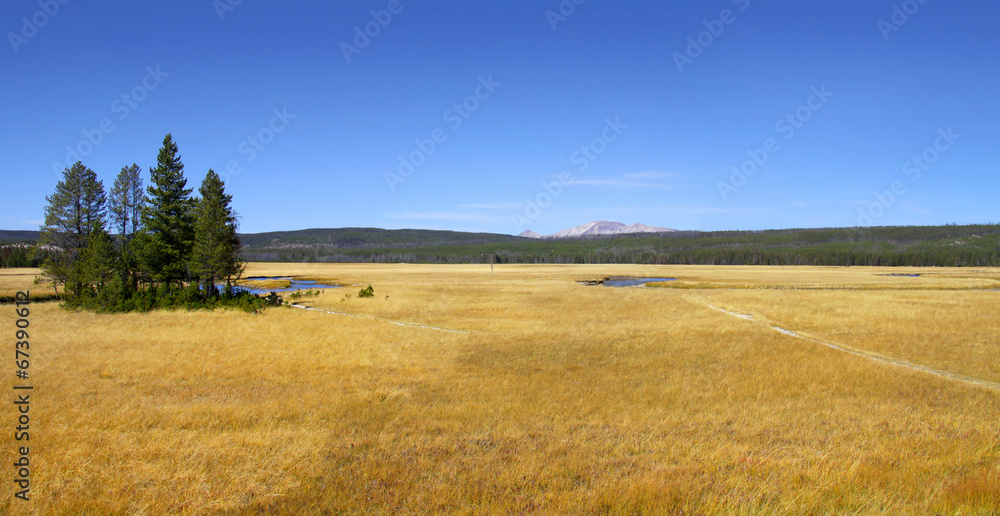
x=367 y=292
x=273 y=299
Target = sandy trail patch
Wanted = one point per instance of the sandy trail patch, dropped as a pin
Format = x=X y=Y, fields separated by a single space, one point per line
x=994 y=386
x=397 y=323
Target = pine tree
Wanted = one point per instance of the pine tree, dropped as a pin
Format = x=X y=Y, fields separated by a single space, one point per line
x=167 y=219
x=216 y=244
x=127 y=201
x=97 y=262
x=75 y=210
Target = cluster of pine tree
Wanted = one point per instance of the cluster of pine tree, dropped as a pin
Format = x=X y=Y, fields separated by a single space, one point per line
x=164 y=249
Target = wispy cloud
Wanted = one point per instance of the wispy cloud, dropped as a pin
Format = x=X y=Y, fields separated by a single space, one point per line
x=624 y=183
x=651 y=179
x=464 y=217
x=803 y=204
x=491 y=206
x=651 y=175
x=704 y=210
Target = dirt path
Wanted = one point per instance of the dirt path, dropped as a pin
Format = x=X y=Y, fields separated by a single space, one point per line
x=397 y=323
x=994 y=386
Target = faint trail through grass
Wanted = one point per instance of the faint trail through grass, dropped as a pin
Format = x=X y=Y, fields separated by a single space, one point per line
x=994 y=386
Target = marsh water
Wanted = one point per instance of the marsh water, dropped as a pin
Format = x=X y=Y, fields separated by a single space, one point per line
x=294 y=285
x=622 y=281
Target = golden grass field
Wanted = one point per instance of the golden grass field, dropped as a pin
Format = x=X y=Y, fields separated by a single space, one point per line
x=550 y=397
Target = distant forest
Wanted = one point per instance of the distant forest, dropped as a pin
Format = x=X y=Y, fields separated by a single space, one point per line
x=951 y=246
x=977 y=245
x=24 y=254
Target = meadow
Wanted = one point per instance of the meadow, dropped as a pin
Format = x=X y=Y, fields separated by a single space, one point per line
x=460 y=391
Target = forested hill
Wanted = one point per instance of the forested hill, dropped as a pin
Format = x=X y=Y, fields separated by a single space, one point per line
x=367 y=238
x=13 y=237
x=975 y=245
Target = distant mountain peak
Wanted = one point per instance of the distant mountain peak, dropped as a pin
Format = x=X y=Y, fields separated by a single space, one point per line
x=599 y=228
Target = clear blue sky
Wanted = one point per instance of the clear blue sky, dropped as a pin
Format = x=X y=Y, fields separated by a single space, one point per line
x=661 y=139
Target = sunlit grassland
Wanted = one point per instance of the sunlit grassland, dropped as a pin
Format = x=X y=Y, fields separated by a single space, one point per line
x=560 y=398
x=277 y=283
x=13 y=280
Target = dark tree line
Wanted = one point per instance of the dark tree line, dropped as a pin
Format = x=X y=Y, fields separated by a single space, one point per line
x=937 y=246
x=165 y=248
x=24 y=254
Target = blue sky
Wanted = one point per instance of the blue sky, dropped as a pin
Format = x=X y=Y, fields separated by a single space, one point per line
x=501 y=116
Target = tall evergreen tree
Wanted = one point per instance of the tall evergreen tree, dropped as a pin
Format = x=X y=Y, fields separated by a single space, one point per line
x=127 y=200
x=167 y=219
x=216 y=245
x=75 y=210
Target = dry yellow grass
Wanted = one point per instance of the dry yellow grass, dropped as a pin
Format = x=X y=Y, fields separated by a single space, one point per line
x=12 y=280
x=560 y=398
x=277 y=283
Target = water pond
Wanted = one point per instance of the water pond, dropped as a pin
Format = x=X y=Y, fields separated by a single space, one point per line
x=622 y=281
x=294 y=285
